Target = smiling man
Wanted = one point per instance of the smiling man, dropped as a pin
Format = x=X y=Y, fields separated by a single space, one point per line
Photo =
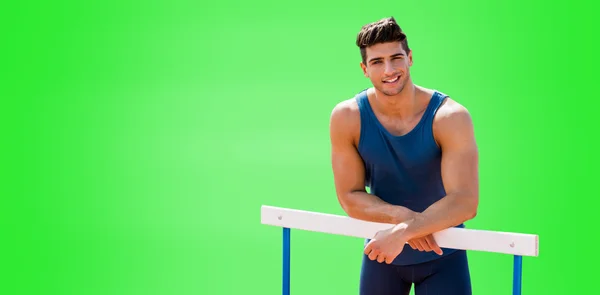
x=414 y=148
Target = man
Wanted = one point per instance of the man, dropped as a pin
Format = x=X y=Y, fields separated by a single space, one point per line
x=414 y=148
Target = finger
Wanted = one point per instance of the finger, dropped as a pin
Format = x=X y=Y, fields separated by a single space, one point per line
x=373 y=255
x=369 y=247
x=417 y=244
x=420 y=245
x=425 y=245
x=380 y=258
x=390 y=258
x=411 y=243
x=432 y=243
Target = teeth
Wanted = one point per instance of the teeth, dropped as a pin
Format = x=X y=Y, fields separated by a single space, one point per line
x=393 y=80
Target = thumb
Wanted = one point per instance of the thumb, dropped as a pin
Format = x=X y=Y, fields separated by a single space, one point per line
x=436 y=248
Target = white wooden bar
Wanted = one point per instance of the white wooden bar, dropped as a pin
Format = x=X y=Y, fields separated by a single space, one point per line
x=454 y=238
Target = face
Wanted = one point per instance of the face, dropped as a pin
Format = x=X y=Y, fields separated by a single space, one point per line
x=387 y=66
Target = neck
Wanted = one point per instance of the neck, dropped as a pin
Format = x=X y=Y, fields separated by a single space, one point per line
x=403 y=104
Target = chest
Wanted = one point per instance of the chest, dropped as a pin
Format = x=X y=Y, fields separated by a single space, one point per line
x=413 y=152
x=396 y=126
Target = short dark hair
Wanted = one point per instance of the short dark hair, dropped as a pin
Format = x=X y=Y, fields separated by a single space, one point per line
x=381 y=31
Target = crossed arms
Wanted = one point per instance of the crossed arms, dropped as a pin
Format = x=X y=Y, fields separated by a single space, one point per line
x=453 y=130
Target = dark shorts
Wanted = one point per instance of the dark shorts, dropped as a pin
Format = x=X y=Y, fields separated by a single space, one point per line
x=448 y=275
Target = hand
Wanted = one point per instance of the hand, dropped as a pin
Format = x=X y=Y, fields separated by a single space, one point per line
x=387 y=244
x=426 y=243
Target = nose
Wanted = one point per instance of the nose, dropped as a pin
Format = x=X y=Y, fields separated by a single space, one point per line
x=388 y=69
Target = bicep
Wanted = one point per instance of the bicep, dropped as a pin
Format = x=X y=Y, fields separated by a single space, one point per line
x=348 y=169
x=460 y=156
x=347 y=165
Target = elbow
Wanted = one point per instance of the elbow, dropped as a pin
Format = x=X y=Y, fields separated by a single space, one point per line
x=471 y=215
x=350 y=210
x=472 y=206
x=348 y=206
x=345 y=204
x=468 y=204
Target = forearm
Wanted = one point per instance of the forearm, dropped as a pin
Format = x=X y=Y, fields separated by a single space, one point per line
x=450 y=211
x=364 y=206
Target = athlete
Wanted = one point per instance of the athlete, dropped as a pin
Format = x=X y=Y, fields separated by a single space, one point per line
x=414 y=149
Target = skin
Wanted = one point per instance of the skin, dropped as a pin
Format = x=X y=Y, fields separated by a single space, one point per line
x=399 y=107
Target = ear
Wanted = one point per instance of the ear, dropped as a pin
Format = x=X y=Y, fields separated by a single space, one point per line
x=364 y=69
x=410 y=58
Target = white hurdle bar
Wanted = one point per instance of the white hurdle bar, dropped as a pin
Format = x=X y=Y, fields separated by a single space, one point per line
x=516 y=244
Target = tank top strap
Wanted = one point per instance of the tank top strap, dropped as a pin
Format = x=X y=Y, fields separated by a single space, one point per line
x=436 y=101
x=363 y=106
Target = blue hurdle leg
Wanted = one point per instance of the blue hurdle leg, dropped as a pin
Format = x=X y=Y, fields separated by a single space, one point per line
x=517 y=274
x=286 y=261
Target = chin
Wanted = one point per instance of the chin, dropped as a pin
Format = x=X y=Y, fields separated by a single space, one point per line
x=391 y=92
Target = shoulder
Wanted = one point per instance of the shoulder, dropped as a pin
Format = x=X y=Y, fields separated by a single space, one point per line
x=345 y=119
x=345 y=110
x=452 y=112
x=452 y=122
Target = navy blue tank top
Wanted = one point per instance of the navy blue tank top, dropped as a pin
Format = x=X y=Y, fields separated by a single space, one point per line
x=403 y=170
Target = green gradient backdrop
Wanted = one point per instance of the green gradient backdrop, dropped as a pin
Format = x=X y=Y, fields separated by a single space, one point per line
x=142 y=138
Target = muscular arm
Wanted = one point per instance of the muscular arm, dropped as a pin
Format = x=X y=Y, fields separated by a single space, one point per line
x=454 y=132
x=349 y=171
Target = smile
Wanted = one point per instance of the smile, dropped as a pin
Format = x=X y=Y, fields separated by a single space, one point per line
x=392 y=80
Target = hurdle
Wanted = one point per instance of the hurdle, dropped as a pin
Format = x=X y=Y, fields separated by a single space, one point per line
x=516 y=244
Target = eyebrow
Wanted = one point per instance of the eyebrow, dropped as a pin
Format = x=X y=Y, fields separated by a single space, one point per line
x=380 y=58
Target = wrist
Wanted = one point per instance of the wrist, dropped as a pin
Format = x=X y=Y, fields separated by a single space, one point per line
x=411 y=230
x=403 y=214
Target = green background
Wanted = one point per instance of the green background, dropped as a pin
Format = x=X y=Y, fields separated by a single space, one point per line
x=141 y=138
